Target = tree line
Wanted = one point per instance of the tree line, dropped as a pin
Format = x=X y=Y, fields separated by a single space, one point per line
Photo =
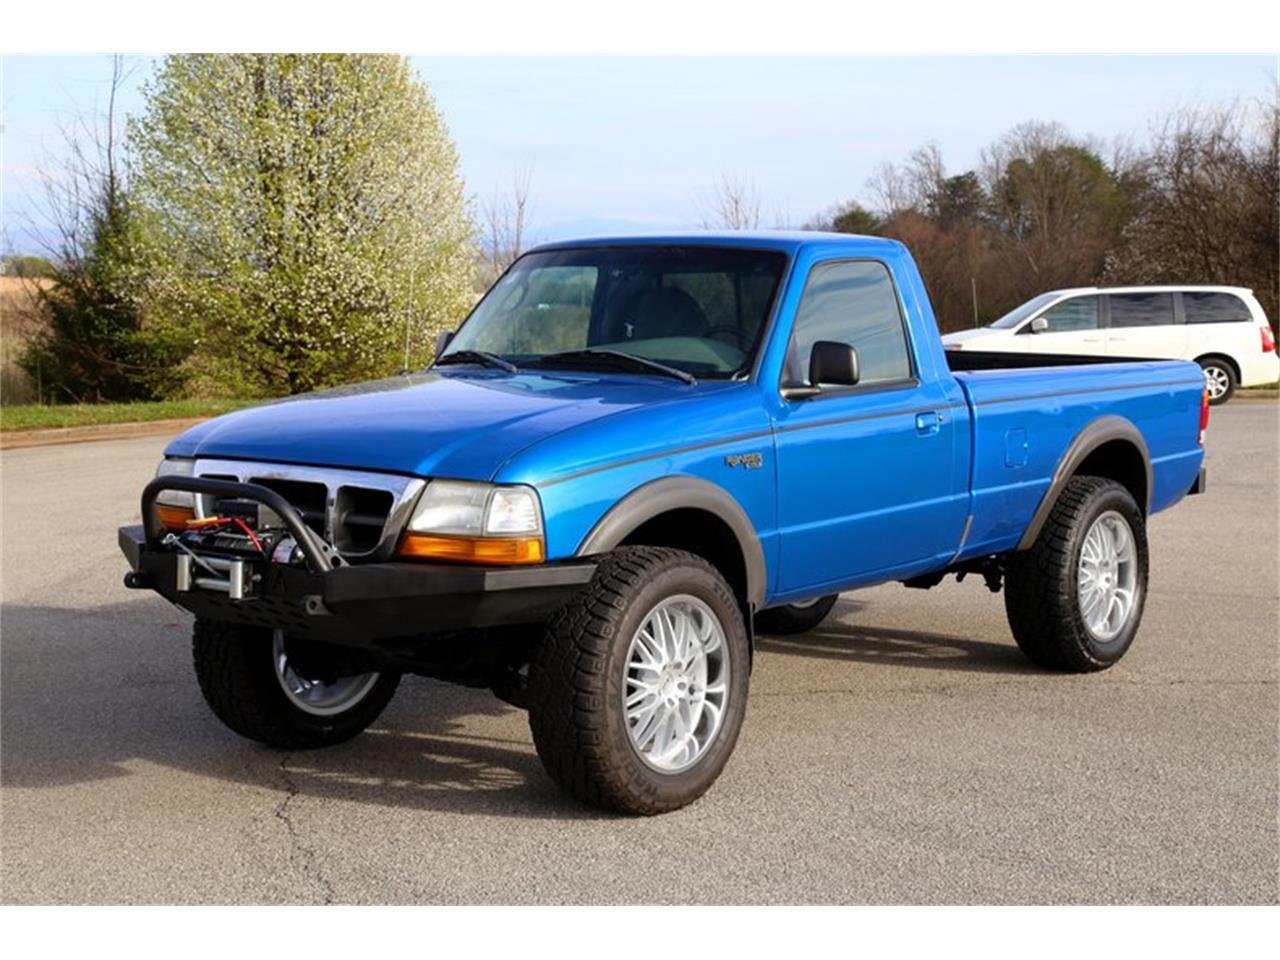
x=269 y=224
x=1198 y=203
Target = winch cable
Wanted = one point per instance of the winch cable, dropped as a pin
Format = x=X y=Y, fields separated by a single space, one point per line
x=172 y=541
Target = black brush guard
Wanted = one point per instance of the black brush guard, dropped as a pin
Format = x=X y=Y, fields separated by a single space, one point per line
x=379 y=606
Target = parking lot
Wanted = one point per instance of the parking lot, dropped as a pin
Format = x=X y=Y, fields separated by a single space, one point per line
x=903 y=753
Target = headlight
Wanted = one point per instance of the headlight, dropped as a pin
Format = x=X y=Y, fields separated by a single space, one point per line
x=475 y=523
x=175 y=507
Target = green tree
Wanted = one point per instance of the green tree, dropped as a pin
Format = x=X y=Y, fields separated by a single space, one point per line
x=29 y=267
x=847 y=217
x=1058 y=207
x=96 y=344
x=307 y=207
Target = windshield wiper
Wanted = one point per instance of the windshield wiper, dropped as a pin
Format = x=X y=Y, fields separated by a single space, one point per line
x=615 y=358
x=482 y=357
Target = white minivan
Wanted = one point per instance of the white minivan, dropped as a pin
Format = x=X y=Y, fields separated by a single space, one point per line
x=1221 y=328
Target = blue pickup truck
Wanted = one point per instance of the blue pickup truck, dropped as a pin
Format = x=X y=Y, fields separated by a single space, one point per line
x=633 y=455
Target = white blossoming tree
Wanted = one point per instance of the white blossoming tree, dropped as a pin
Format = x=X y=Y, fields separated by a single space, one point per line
x=307 y=211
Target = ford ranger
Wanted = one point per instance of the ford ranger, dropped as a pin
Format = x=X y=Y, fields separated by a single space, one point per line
x=632 y=455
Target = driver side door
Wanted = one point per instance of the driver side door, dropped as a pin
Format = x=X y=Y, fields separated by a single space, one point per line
x=869 y=479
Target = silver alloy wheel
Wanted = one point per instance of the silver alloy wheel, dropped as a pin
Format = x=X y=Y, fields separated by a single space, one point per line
x=316 y=697
x=676 y=683
x=1108 y=576
x=1217 y=380
x=804 y=604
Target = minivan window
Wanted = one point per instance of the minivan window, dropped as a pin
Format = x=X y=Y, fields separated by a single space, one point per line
x=851 y=302
x=1205 y=307
x=1141 y=309
x=1022 y=311
x=1078 y=313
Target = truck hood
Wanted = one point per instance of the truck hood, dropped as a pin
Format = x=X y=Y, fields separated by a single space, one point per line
x=462 y=424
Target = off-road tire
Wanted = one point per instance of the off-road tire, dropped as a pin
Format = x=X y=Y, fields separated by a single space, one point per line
x=1228 y=372
x=237 y=677
x=1041 y=590
x=577 y=679
x=789 y=618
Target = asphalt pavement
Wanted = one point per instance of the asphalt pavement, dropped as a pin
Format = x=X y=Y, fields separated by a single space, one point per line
x=902 y=753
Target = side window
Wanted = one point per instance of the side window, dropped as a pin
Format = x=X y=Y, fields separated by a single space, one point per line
x=851 y=302
x=1201 y=307
x=1078 y=313
x=1141 y=309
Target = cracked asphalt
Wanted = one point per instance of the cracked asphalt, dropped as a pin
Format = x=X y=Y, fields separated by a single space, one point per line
x=902 y=753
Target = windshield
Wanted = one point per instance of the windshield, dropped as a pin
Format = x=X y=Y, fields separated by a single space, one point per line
x=1018 y=314
x=698 y=309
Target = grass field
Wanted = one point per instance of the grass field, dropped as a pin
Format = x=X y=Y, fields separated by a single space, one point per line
x=35 y=417
x=17 y=320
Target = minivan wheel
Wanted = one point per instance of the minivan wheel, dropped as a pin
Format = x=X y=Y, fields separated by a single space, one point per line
x=1075 y=599
x=638 y=687
x=1220 y=378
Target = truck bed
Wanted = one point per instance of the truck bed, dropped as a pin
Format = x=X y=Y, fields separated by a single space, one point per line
x=1027 y=408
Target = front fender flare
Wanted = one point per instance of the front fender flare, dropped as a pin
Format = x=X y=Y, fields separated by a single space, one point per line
x=681 y=493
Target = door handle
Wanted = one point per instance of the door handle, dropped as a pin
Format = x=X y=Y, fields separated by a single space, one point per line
x=928 y=423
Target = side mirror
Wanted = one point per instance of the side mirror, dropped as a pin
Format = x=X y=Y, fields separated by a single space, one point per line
x=442 y=341
x=833 y=363
x=1039 y=325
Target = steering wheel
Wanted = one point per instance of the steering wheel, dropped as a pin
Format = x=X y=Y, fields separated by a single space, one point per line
x=744 y=339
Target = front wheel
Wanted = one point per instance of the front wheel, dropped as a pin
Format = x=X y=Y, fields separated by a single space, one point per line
x=638 y=686
x=1219 y=378
x=1075 y=599
x=286 y=693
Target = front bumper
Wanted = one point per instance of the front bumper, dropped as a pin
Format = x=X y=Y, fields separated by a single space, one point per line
x=383 y=606
x=369 y=605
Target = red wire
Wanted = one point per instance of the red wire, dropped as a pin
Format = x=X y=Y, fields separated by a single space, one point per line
x=245 y=527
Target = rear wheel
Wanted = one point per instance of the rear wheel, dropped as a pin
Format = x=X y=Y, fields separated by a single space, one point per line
x=286 y=693
x=1075 y=599
x=795 y=617
x=638 y=686
x=1220 y=378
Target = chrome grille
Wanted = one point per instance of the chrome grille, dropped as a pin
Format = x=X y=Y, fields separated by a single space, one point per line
x=360 y=513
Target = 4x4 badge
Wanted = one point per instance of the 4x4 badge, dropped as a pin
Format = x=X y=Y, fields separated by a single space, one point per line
x=749 y=460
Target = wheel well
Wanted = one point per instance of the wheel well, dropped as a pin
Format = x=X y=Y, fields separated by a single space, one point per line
x=1235 y=367
x=1121 y=461
x=699 y=532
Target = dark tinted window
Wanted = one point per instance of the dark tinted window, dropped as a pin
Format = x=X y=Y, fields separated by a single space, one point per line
x=1078 y=313
x=854 y=303
x=1214 y=308
x=1141 y=309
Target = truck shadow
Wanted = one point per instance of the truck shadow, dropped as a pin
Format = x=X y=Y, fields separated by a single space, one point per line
x=89 y=695
x=859 y=643
x=94 y=694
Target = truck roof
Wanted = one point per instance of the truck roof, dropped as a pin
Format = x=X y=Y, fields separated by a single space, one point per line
x=786 y=240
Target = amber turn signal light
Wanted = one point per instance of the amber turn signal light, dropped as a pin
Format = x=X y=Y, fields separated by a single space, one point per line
x=489 y=550
x=174 y=518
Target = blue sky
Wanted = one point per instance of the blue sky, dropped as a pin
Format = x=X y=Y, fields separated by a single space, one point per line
x=635 y=143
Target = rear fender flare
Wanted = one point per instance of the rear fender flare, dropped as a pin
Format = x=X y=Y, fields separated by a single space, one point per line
x=1094 y=435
